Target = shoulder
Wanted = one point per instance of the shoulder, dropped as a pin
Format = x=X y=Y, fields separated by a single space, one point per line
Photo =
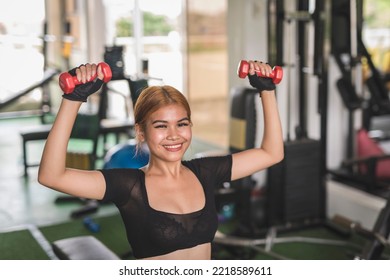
x=118 y=173
x=216 y=166
x=205 y=162
x=120 y=181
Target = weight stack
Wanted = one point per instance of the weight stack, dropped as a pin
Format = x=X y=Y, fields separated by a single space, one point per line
x=242 y=136
x=113 y=56
x=293 y=185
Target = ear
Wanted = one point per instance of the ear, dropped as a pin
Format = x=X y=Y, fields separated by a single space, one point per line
x=139 y=133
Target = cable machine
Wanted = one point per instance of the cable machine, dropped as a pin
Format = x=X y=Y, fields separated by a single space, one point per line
x=296 y=187
x=291 y=212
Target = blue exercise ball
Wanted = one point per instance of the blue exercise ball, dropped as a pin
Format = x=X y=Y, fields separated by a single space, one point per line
x=125 y=156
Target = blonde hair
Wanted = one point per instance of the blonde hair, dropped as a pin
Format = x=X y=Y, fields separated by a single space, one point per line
x=153 y=98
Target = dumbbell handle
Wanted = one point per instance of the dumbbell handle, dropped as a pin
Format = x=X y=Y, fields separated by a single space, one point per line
x=276 y=75
x=68 y=82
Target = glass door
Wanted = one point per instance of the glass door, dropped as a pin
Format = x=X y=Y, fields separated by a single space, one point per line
x=207 y=66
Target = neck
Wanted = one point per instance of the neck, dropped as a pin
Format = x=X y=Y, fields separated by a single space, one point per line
x=163 y=168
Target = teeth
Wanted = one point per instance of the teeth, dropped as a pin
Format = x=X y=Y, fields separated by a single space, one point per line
x=172 y=146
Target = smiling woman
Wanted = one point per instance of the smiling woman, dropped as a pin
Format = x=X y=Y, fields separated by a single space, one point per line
x=174 y=120
x=172 y=194
x=168 y=206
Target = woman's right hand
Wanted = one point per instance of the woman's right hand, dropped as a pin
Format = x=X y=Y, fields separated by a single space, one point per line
x=84 y=74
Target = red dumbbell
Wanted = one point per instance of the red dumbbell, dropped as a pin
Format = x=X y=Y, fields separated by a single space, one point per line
x=68 y=82
x=276 y=75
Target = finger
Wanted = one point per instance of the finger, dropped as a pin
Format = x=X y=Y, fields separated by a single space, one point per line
x=79 y=73
x=93 y=70
x=259 y=67
x=252 y=69
x=262 y=69
x=268 y=69
x=88 y=72
x=100 y=74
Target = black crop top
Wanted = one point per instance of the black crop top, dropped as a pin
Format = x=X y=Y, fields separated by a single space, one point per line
x=151 y=232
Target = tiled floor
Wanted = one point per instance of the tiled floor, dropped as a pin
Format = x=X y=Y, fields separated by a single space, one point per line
x=22 y=199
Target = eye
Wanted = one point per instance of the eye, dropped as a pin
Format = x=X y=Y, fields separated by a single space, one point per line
x=183 y=124
x=161 y=126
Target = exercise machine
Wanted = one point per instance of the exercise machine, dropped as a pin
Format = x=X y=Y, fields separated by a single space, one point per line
x=349 y=52
x=296 y=188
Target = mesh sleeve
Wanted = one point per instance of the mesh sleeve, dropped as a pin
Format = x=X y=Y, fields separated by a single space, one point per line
x=215 y=170
x=119 y=183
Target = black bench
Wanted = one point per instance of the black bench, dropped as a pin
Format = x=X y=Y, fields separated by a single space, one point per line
x=41 y=132
x=34 y=133
x=82 y=248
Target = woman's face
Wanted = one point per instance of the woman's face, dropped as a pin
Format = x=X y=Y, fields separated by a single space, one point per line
x=168 y=133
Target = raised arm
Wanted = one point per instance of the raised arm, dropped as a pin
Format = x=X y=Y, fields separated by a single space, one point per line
x=52 y=170
x=271 y=150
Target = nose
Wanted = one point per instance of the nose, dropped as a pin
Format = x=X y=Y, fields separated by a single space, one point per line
x=172 y=134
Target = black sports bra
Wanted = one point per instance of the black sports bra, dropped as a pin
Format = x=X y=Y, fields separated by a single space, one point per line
x=152 y=232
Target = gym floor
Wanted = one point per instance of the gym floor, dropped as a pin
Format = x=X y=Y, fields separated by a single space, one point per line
x=22 y=199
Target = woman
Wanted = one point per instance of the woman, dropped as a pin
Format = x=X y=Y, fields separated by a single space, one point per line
x=168 y=205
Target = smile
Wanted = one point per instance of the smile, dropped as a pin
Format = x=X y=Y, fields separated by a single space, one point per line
x=173 y=147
